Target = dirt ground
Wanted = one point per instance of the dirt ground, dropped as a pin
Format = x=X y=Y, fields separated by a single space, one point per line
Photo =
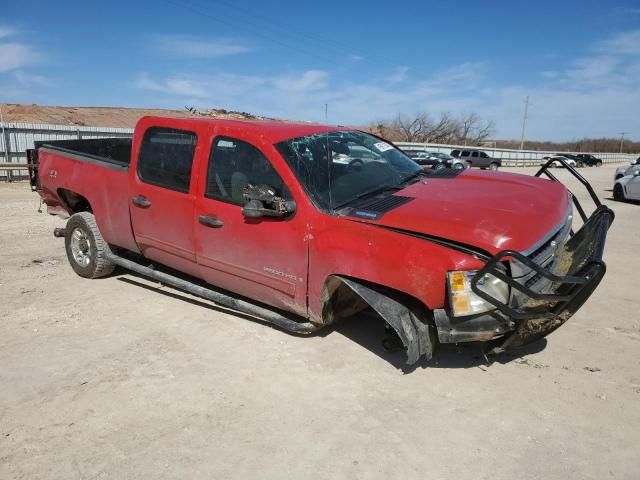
x=118 y=378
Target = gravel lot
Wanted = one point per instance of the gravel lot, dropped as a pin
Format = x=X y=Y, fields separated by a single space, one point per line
x=118 y=378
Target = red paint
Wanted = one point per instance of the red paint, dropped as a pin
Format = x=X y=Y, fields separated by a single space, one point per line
x=285 y=263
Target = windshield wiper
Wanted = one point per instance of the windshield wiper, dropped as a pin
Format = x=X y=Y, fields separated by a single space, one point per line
x=419 y=173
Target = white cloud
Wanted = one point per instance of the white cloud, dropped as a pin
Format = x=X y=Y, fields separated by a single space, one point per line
x=195 y=47
x=311 y=80
x=593 y=96
x=6 y=31
x=14 y=55
x=399 y=75
x=625 y=43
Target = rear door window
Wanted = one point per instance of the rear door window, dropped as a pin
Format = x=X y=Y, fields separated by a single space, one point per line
x=166 y=158
x=474 y=154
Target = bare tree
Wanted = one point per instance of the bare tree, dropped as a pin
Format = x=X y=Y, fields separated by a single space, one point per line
x=469 y=129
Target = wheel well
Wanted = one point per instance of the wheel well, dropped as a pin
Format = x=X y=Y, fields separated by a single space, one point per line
x=74 y=201
x=341 y=301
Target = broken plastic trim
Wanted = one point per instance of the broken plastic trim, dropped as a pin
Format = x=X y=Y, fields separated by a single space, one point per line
x=416 y=333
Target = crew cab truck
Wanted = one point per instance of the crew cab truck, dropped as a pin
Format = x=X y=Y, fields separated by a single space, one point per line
x=261 y=217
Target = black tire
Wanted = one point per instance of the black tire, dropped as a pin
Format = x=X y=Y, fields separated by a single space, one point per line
x=439 y=166
x=580 y=165
x=86 y=249
x=458 y=166
x=598 y=163
x=493 y=166
x=618 y=194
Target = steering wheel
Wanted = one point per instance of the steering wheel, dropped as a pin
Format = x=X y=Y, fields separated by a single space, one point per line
x=355 y=165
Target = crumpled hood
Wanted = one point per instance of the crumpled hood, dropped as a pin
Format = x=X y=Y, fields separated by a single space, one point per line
x=488 y=210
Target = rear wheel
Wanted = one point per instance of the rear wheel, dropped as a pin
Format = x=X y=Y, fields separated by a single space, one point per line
x=599 y=163
x=618 y=194
x=493 y=166
x=439 y=166
x=86 y=249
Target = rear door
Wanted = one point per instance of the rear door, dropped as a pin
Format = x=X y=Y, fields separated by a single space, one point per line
x=484 y=160
x=474 y=158
x=261 y=258
x=162 y=205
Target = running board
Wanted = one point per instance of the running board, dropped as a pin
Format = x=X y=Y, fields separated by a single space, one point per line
x=242 y=306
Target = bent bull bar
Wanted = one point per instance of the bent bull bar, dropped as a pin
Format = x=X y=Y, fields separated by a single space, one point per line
x=579 y=272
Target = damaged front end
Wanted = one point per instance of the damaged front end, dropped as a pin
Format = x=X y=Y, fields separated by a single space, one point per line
x=547 y=286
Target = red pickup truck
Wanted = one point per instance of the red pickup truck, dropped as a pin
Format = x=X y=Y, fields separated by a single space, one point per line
x=300 y=225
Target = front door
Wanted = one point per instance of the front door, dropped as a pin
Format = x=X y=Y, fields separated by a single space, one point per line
x=162 y=206
x=633 y=188
x=262 y=258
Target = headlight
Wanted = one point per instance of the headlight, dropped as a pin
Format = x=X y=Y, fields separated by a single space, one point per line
x=462 y=299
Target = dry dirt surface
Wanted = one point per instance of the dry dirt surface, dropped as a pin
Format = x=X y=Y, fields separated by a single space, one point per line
x=120 y=378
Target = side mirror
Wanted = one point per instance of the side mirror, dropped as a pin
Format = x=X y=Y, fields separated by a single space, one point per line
x=262 y=201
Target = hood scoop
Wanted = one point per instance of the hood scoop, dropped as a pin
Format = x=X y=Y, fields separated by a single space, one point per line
x=378 y=207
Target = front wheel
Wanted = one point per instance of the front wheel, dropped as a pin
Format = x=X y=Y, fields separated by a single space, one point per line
x=618 y=194
x=439 y=166
x=458 y=166
x=493 y=166
x=598 y=163
x=86 y=249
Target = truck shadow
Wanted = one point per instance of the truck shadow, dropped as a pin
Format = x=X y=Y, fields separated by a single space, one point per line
x=368 y=331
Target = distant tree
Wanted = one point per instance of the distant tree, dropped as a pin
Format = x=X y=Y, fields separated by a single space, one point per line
x=469 y=129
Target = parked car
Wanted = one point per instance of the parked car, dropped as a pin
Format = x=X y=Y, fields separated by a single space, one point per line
x=477 y=158
x=576 y=160
x=259 y=217
x=556 y=163
x=589 y=160
x=627 y=169
x=436 y=160
x=628 y=187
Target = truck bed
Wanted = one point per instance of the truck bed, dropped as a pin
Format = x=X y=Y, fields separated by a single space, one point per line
x=77 y=175
x=115 y=151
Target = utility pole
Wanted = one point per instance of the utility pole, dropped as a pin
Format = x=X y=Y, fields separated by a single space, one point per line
x=4 y=138
x=622 y=134
x=524 y=122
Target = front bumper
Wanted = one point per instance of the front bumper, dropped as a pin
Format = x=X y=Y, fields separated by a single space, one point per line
x=544 y=299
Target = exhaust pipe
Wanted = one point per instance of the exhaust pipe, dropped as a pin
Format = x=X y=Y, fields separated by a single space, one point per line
x=59 y=232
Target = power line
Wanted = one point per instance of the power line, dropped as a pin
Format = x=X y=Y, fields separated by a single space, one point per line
x=524 y=122
x=279 y=29
x=241 y=26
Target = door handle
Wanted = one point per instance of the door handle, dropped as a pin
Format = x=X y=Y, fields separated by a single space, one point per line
x=210 y=221
x=141 y=201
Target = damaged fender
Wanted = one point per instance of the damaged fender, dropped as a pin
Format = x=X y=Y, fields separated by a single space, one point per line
x=411 y=325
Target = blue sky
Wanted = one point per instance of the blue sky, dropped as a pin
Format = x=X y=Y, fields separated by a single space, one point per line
x=579 y=61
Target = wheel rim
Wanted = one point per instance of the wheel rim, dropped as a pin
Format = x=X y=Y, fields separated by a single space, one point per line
x=458 y=166
x=439 y=166
x=493 y=166
x=80 y=247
